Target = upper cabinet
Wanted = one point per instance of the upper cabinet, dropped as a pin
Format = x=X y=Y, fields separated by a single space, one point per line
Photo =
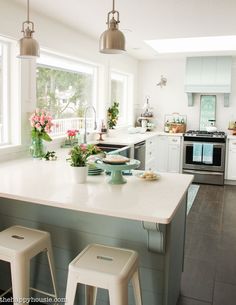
x=210 y=74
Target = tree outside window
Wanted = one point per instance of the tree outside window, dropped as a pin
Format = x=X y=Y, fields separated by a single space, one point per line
x=64 y=94
x=65 y=87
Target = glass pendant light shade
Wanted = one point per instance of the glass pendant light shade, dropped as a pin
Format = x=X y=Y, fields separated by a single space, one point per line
x=28 y=46
x=112 y=41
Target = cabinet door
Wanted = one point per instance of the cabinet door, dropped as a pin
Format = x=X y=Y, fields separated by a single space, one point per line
x=231 y=169
x=173 y=159
x=174 y=153
x=162 y=153
x=150 y=156
x=151 y=165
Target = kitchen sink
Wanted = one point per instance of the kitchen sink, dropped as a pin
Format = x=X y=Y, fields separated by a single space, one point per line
x=115 y=149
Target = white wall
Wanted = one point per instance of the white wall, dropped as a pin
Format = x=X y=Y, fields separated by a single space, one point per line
x=61 y=39
x=172 y=97
x=55 y=36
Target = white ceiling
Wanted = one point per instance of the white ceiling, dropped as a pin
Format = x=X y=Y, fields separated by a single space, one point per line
x=144 y=19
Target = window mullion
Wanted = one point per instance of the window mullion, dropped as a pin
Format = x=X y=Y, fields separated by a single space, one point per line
x=6 y=94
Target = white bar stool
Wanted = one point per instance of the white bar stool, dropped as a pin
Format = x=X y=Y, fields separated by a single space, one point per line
x=17 y=246
x=104 y=267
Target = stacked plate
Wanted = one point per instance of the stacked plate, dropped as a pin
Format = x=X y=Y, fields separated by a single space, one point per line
x=93 y=171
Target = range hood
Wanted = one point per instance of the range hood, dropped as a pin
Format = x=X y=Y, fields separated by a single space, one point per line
x=208 y=75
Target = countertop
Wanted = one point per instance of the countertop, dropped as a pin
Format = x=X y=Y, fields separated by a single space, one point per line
x=50 y=183
x=131 y=139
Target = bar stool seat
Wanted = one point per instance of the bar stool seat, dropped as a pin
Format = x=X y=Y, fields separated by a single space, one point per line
x=17 y=246
x=99 y=266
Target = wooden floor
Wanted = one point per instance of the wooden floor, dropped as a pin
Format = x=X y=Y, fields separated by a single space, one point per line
x=209 y=276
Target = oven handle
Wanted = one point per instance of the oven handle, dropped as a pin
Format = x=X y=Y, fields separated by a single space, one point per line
x=201 y=172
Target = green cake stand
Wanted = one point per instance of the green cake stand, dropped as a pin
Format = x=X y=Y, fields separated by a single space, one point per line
x=116 y=170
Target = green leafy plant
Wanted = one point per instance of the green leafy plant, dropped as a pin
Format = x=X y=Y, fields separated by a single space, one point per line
x=112 y=115
x=80 y=153
x=93 y=149
x=50 y=156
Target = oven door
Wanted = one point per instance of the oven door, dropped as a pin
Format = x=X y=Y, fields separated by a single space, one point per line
x=218 y=163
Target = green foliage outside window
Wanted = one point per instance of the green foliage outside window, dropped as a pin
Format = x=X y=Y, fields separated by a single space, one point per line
x=64 y=94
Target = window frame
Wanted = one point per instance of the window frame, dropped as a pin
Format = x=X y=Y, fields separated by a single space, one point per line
x=10 y=97
x=127 y=117
x=63 y=62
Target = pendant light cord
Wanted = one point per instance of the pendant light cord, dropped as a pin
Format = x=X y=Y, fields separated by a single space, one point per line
x=28 y=11
x=113 y=6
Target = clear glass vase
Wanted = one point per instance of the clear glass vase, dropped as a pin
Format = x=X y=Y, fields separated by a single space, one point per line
x=37 y=147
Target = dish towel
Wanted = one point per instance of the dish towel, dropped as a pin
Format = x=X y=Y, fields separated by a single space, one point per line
x=197 y=152
x=207 y=156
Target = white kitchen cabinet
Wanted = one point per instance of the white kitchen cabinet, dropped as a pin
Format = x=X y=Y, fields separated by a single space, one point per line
x=174 y=154
x=162 y=153
x=168 y=153
x=150 y=156
x=231 y=157
x=208 y=74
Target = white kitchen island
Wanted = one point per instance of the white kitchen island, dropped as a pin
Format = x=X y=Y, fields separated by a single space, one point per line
x=148 y=217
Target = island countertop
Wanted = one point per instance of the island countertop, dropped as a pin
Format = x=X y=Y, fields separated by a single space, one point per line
x=50 y=183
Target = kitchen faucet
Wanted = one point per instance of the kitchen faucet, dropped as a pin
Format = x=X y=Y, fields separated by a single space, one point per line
x=85 y=122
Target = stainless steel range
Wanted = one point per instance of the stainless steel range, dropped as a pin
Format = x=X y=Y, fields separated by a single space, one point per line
x=204 y=156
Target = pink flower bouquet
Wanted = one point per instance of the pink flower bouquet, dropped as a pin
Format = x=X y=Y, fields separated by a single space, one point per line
x=41 y=123
x=72 y=134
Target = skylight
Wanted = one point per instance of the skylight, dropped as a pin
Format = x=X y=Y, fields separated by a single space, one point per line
x=195 y=44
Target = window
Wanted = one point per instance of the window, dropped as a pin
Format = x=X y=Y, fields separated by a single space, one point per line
x=121 y=89
x=5 y=94
x=65 y=88
x=1 y=95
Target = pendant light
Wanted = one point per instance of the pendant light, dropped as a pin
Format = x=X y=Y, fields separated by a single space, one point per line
x=112 y=41
x=29 y=47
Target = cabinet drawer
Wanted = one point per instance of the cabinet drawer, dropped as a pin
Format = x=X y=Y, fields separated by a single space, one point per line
x=150 y=148
x=151 y=165
x=150 y=142
x=150 y=154
x=174 y=140
x=232 y=145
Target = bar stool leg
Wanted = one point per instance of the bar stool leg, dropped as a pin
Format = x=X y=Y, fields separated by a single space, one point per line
x=119 y=294
x=52 y=268
x=71 y=288
x=20 y=280
x=90 y=295
x=136 y=287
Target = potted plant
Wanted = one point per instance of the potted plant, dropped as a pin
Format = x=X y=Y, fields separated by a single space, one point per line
x=71 y=137
x=112 y=115
x=78 y=160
